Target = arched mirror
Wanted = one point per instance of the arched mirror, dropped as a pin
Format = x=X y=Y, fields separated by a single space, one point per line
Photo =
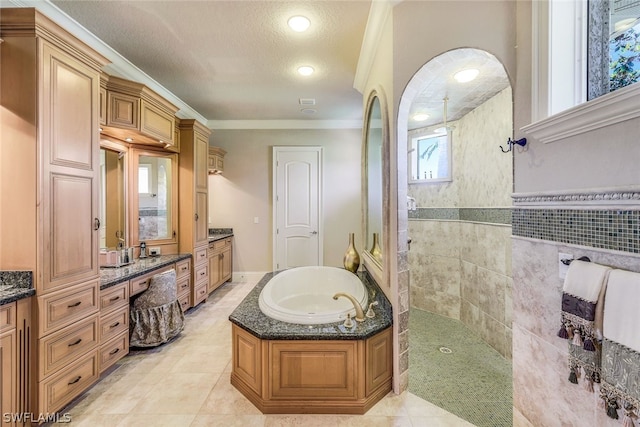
x=374 y=185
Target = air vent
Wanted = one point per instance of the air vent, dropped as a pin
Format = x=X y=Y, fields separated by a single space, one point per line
x=307 y=101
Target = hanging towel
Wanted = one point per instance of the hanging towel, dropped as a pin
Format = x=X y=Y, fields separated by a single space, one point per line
x=582 y=305
x=620 y=388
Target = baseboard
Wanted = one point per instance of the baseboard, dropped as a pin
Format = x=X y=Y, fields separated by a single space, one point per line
x=247 y=276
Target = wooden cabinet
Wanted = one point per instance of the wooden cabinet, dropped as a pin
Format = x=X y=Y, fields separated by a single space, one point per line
x=137 y=114
x=194 y=228
x=215 y=164
x=15 y=359
x=50 y=154
x=220 y=263
x=113 y=332
x=183 y=283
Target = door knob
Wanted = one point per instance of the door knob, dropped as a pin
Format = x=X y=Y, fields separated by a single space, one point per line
x=314 y=232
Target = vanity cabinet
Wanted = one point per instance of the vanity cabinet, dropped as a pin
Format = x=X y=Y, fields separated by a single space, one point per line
x=194 y=195
x=114 y=325
x=220 y=265
x=15 y=328
x=139 y=115
x=183 y=283
x=50 y=143
x=215 y=164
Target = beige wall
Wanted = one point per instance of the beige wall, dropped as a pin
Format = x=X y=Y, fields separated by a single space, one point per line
x=243 y=192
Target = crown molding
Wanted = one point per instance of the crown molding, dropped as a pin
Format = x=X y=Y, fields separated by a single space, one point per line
x=283 y=124
x=380 y=10
x=120 y=66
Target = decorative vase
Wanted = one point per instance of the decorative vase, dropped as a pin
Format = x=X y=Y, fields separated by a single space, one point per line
x=375 y=251
x=351 y=258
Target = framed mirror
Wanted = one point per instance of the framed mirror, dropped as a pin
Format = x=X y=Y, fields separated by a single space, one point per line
x=375 y=183
x=154 y=177
x=112 y=197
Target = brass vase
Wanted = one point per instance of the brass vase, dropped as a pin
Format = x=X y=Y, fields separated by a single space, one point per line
x=375 y=251
x=351 y=258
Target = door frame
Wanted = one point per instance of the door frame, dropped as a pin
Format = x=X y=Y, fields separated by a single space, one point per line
x=274 y=195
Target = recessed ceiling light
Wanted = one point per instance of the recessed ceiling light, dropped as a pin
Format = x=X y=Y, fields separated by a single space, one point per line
x=465 y=76
x=299 y=23
x=420 y=117
x=308 y=110
x=305 y=70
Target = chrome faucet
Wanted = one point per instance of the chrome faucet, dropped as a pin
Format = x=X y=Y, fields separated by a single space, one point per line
x=356 y=305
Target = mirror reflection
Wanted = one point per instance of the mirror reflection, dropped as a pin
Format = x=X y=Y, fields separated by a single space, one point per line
x=154 y=187
x=112 y=208
x=374 y=181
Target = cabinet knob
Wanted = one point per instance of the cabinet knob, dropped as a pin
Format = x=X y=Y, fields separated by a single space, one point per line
x=96 y=224
x=196 y=216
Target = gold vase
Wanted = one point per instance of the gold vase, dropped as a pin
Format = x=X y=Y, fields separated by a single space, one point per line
x=376 y=251
x=351 y=258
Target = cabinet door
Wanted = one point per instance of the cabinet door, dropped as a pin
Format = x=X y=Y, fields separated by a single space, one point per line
x=214 y=271
x=202 y=226
x=201 y=162
x=8 y=373
x=70 y=161
x=226 y=263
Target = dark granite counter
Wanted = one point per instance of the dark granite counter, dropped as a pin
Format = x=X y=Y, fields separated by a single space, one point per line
x=249 y=317
x=112 y=276
x=15 y=285
x=216 y=234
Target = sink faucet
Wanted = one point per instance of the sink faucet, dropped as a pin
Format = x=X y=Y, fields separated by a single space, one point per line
x=356 y=305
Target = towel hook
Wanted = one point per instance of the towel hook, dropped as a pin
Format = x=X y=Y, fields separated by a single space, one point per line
x=510 y=142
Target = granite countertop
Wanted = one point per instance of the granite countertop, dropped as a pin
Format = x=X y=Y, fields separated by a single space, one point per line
x=15 y=285
x=216 y=234
x=112 y=276
x=249 y=317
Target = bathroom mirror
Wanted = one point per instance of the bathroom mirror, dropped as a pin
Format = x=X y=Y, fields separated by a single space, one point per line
x=112 y=200
x=375 y=185
x=154 y=184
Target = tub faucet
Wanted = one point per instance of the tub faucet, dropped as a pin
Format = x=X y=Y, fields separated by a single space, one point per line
x=356 y=305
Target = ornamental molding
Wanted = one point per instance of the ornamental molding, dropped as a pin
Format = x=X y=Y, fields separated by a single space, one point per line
x=586 y=198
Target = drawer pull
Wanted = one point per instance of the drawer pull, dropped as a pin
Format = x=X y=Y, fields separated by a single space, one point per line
x=112 y=352
x=75 y=304
x=184 y=268
x=114 y=298
x=114 y=325
x=78 y=341
x=203 y=273
x=78 y=378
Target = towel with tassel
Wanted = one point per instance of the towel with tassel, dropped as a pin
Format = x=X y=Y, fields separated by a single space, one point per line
x=581 y=319
x=620 y=386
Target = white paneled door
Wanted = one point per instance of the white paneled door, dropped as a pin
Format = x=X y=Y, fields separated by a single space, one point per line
x=297 y=204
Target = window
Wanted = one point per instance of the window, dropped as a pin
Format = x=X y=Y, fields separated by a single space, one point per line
x=144 y=179
x=430 y=156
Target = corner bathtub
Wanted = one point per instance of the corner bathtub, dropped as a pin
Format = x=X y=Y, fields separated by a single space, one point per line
x=304 y=295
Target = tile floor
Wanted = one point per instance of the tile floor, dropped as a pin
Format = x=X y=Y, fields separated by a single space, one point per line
x=186 y=383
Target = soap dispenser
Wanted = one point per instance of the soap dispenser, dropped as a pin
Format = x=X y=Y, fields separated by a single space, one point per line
x=143 y=250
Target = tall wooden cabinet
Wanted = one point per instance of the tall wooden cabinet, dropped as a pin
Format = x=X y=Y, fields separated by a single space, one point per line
x=193 y=210
x=50 y=134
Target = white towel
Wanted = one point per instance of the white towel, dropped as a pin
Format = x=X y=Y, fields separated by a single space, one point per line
x=621 y=309
x=585 y=279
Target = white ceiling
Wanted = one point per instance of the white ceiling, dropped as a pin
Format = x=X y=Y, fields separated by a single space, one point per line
x=235 y=61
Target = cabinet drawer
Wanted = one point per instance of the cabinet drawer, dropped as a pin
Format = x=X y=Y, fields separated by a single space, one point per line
x=140 y=284
x=114 y=297
x=201 y=274
x=183 y=268
x=201 y=256
x=200 y=294
x=185 y=302
x=219 y=244
x=58 y=390
x=60 y=348
x=112 y=351
x=7 y=317
x=183 y=285
x=113 y=324
x=62 y=308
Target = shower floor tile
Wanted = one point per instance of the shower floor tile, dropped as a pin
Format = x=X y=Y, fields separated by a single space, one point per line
x=454 y=369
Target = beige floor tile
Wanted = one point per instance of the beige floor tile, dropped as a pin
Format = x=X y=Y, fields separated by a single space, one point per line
x=228 y=421
x=156 y=420
x=177 y=393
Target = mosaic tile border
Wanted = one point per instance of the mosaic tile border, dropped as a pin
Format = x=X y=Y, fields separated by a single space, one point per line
x=614 y=229
x=487 y=215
